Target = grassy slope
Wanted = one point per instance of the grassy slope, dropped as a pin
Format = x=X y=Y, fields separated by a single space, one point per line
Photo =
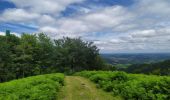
x=41 y=87
x=131 y=86
x=79 y=88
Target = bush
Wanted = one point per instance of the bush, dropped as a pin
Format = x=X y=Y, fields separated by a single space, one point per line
x=42 y=87
x=99 y=77
x=131 y=86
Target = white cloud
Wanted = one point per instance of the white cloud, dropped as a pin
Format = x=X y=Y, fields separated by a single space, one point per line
x=159 y=7
x=44 y=6
x=148 y=31
x=145 y=25
x=46 y=20
x=18 y=15
x=97 y=21
x=144 y=33
x=152 y=33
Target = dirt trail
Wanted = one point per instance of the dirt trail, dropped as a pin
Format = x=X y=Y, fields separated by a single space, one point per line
x=79 y=88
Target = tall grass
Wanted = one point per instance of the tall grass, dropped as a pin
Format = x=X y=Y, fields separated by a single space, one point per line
x=131 y=86
x=42 y=87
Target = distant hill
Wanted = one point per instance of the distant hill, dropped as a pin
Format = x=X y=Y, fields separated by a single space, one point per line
x=138 y=58
x=159 y=68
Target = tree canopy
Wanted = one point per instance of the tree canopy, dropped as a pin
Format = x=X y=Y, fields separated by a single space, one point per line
x=30 y=55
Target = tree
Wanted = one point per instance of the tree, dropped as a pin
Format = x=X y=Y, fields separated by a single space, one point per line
x=37 y=54
x=44 y=53
x=24 y=60
x=76 y=55
x=7 y=49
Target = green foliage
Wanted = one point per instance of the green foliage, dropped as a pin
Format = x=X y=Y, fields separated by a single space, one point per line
x=42 y=87
x=131 y=86
x=31 y=55
x=76 y=55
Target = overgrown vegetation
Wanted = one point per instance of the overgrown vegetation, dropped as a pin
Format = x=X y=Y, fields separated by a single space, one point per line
x=42 y=87
x=131 y=86
x=30 y=55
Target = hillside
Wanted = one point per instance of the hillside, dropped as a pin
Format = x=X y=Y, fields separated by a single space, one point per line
x=135 y=58
x=88 y=85
x=131 y=86
x=42 y=87
x=159 y=68
x=52 y=87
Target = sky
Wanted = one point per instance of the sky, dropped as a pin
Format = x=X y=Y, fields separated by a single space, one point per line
x=115 y=26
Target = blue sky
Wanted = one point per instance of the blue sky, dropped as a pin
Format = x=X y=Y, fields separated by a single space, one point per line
x=115 y=26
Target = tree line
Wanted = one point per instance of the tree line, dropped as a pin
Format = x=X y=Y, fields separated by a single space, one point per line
x=30 y=55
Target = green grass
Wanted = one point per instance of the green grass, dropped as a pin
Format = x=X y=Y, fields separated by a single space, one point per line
x=131 y=86
x=42 y=87
x=79 y=88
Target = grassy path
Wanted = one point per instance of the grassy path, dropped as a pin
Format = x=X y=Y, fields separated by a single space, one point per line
x=79 y=88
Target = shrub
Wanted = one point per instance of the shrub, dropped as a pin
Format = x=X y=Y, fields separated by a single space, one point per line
x=42 y=87
x=119 y=76
x=131 y=86
x=99 y=77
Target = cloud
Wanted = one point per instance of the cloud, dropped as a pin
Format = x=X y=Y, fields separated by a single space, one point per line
x=143 y=26
x=46 y=20
x=141 y=40
x=100 y=20
x=44 y=6
x=148 y=31
x=158 y=7
x=151 y=33
x=18 y=15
